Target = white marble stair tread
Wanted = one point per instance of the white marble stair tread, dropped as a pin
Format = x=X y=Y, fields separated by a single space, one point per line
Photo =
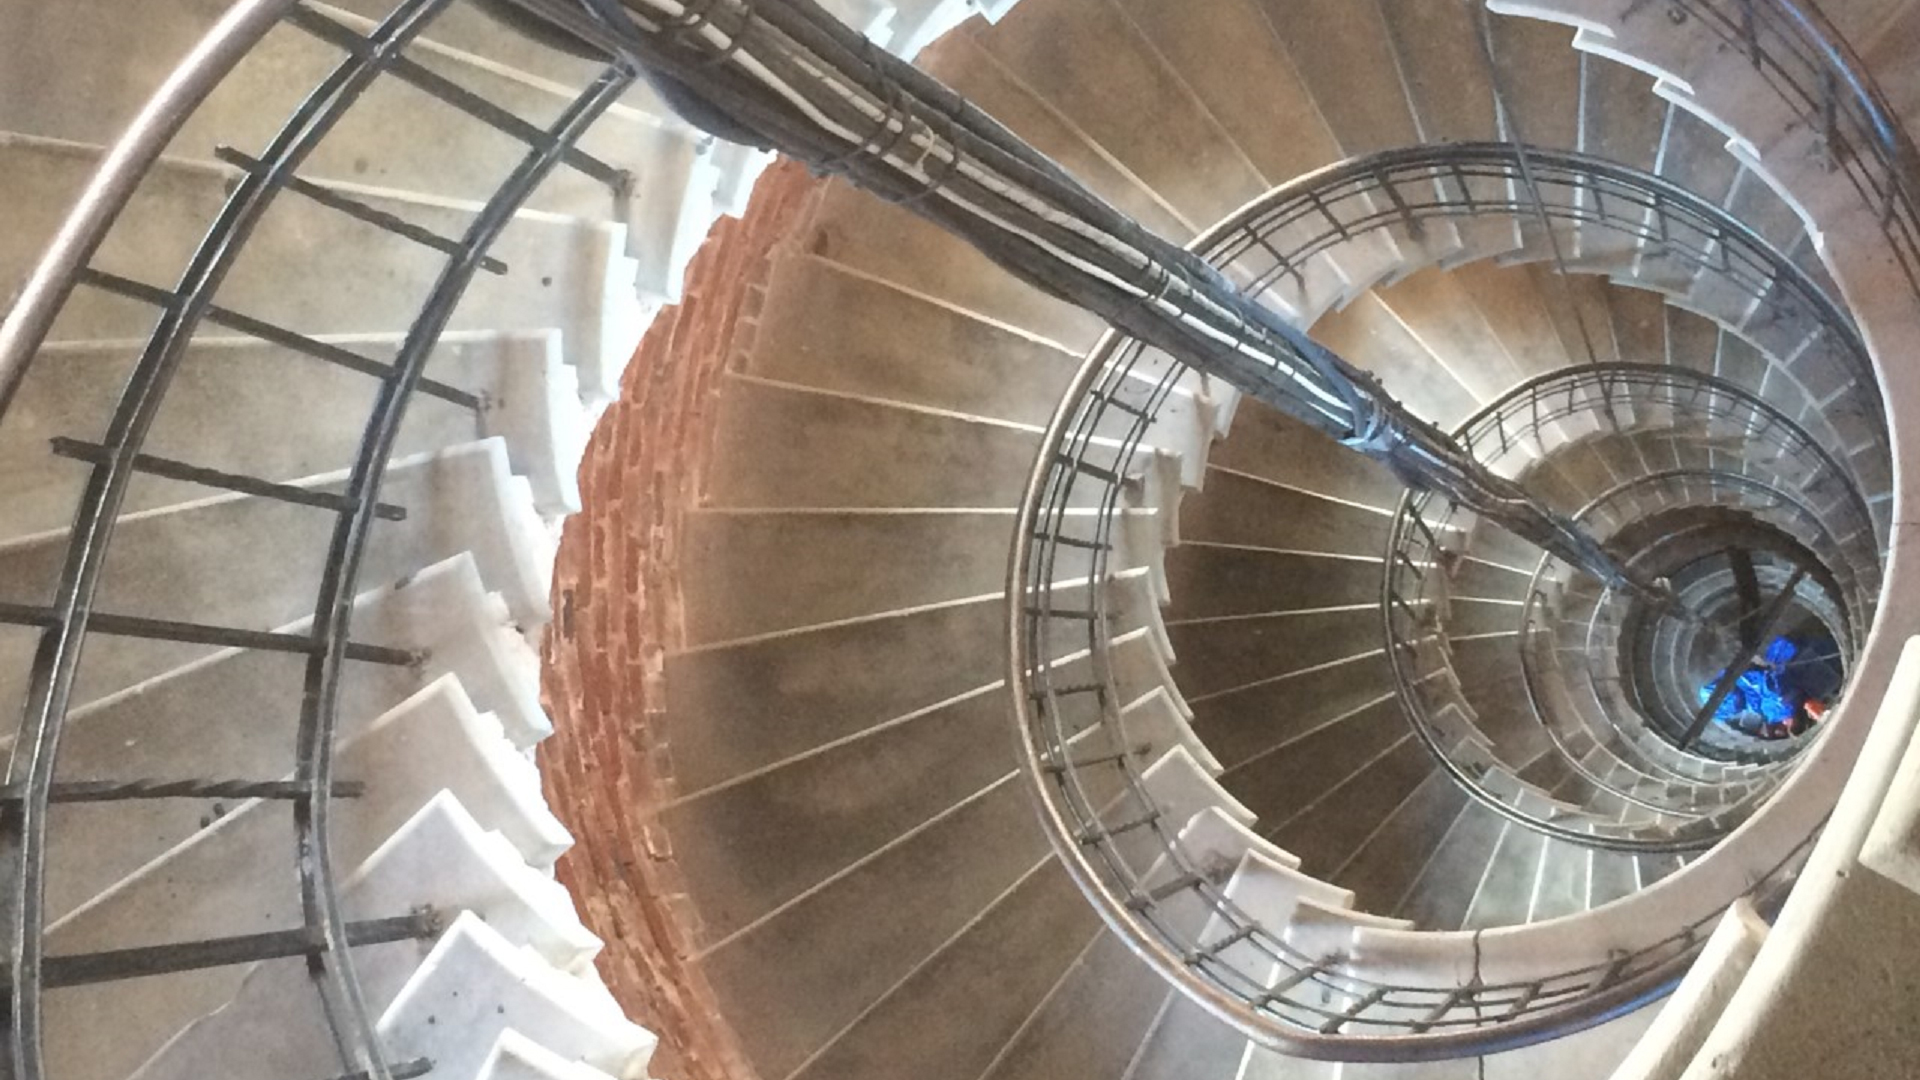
x=444 y=613
x=1139 y=667
x=668 y=205
x=450 y=1007
x=1161 y=475
x=439 y=737
x=1373 y=259
x=440 y=859
x=1412 y=958
x=1441 y=243
x=1453 y=726
x=475 y=984
x=1156 y=719
x=1140 y=535
x=740 y=168
x=459 y=749
x=434 y=739
x=1183 y=425
x=250 y=104
x=160 y=730
x=1302 y=299
x=1472 y=756
x=443 y=858
x=240 y=869
x=1216 y=839
x=353 y=278
x=1529 y=799
x=253 y=562
x=1319 y=929
x=670 y=200
x=1174 y=788
x=1269 y=891
x=1181 y=788
x=255 y=409
x=517 y=1057
x=1581 y=14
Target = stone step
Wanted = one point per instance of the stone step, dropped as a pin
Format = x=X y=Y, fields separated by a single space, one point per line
x=680 y=179
x=1540 y=78
x=433 y=741
x=1244 y=723
x=1149 y=122
x=1288 y=778
x=888 y=242
x=1388 y=863
x=158 y=729
x=1444 y=66
x=562 y=273
x=1209 y=580
x=475 y=984
x=744 y=578
x=1269 y=892
x=893 y=910
x=1334 y=828
x=967 y=65
x=1346 y=59
x=1440 y=313
x=744 y=859
x=1370 y=335
x=997 y=970
x=1505 y=893
x=441 y=859
x=717 y=703
x=830 y=444
x=1093 y=1021
x=1187 y=1042
x=1450 y=877
x=253 y=409
x=255 y=563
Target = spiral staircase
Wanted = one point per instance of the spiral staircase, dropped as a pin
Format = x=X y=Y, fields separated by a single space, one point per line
x=545 y=582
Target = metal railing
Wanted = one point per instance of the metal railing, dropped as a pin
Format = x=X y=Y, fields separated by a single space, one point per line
x=180 y=308
x=1595 y=647
x=1821 y=83
x=1623 y=403
x=1080 y=753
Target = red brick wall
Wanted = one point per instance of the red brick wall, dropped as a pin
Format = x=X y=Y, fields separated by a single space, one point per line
x=616 y=616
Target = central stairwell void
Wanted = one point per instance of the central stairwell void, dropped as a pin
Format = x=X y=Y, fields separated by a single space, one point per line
x=931 y=680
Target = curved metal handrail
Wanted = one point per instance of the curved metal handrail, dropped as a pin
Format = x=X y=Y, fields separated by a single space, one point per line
x=183 y=308
x=1094 y=803
x=1518 y=419
x=1594 y=643
x=1809 y=65
x=31 y=762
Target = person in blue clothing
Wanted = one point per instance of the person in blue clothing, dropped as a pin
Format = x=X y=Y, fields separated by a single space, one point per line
x=1764 y=701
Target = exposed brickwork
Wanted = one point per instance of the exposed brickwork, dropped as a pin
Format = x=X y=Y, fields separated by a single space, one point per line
x=617 y=607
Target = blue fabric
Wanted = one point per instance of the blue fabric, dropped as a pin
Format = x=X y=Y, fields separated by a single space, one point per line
x=1766 y=692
